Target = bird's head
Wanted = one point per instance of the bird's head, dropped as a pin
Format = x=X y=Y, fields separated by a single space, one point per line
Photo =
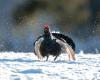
x=46 y=29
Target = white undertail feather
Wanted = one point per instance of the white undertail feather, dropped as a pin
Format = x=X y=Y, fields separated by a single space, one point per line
x=55 y=32
x=52 y=37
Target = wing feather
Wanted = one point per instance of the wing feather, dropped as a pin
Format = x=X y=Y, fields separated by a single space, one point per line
x=36 y=48
x=68 y=49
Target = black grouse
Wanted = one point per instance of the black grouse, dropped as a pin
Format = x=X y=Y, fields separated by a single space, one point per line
x=53 y=44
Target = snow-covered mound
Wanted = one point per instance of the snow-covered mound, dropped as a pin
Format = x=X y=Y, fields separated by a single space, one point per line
x=26 y=66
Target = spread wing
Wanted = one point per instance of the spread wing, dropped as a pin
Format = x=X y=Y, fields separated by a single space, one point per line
x=65 y=39
x=68 y=49
x=37 y=44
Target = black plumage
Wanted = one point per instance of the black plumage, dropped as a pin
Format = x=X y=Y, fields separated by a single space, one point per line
x=65 y=39
x=50 y=47
x=53 y=44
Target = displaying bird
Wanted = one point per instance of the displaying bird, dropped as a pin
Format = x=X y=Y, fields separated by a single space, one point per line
x=53 y=44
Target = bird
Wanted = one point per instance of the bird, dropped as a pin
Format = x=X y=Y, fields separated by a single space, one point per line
x=50 y=43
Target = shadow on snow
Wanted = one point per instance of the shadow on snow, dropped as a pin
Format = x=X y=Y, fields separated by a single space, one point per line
x=31 y=71
x=18 y=60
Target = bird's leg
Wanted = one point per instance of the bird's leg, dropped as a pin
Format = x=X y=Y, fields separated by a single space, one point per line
x=55 y=58
x=47 y=57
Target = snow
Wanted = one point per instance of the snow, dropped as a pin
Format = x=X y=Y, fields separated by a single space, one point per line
x=26 y=66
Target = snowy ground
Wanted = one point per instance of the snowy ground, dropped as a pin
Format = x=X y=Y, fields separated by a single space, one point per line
x=26 y=66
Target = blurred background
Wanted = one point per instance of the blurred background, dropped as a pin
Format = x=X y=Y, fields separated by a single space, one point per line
x=21 y=22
